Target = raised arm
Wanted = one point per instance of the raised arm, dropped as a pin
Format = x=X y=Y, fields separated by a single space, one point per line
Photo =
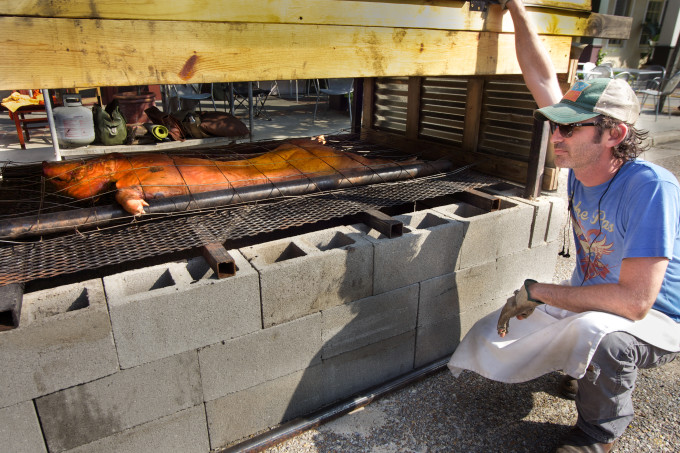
x=534 y=60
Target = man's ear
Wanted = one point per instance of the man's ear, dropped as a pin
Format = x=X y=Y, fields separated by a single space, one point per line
x=616 y=134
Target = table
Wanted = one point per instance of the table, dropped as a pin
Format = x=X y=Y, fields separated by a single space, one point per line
x=640 y=76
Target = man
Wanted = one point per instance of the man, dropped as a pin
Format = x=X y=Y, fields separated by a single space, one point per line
x=621 y=309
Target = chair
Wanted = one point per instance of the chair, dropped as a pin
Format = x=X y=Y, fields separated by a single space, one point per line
x=625 y=75
x=602 y=71
x=336 y=87
x=191 y=92
x=643 y=80
x=260 y=96
x=667 y=90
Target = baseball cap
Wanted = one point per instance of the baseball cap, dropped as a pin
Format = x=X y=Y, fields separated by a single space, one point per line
x=587 y=99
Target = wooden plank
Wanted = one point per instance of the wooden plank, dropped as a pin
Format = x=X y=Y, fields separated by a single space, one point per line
x=368 y=104
x=537 y=152
x=413 y=107
x=68 y=53
x=439 y=14
x=473 y=112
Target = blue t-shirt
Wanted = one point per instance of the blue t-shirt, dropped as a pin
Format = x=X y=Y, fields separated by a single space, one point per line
x=636 y=214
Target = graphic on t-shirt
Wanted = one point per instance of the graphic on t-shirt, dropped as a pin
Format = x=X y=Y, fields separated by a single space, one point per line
x=594 y=246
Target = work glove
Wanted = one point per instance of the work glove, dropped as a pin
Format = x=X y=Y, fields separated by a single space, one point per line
x=521 y=305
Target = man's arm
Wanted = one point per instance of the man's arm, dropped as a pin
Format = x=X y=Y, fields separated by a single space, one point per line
x=534 y=60
x=632 y=297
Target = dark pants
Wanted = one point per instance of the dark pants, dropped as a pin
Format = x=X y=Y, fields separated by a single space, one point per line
x=604 y=399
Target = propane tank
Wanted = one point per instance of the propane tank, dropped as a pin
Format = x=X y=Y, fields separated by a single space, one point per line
x=74 y=123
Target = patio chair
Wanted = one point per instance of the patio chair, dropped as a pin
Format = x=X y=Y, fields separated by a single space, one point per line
x=667 y=90
x=260 y=96
x=601 y=71
x=336 y=87
x=191 y=92
x=625 y=75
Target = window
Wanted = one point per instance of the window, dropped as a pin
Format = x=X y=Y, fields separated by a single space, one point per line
x=652 y=23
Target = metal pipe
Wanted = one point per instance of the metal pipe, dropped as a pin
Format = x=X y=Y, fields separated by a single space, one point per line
x=50 y=121
x=300 y=425
x=95 y=216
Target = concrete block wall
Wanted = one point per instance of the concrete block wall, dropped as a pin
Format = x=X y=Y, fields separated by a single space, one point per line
x=170 y=358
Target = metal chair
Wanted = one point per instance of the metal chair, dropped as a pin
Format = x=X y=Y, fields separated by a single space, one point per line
x=335 y=87
x=602 y=71
x=240 y=98
x=666 y=91
x=625 y=75
x=191 y=92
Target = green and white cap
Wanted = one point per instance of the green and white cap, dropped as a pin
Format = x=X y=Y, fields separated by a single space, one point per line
x=587 y=99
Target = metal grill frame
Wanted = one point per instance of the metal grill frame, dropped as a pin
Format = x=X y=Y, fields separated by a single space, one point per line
x=151 y=236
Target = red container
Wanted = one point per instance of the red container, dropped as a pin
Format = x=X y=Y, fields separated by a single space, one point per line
x=132 y=105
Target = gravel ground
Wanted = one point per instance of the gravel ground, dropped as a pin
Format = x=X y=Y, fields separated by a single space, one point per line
x=474 y=414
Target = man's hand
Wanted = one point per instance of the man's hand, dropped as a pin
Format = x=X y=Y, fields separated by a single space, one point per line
x=521 y=305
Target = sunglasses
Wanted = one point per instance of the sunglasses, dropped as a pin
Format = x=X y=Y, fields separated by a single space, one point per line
x=567 y=130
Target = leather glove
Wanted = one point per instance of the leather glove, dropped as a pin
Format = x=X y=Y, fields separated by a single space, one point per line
x=521 y=305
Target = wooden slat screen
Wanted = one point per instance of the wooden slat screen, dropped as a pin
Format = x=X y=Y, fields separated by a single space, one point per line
x=506 y=119
x=442 y=109
x=390 y=104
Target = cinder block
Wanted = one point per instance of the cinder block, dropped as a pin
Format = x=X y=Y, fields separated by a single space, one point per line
x=238 y=415
x=184 y=431
x=307 y=273
x=429 y=247
x=439 y=340
x=549 y=217
x=360 y=369
x=489 y=235
x=366 y=321
x=448 y=295
x=470 y=317
x=63 y=339
x=79 y=415
x=443 y=301
x=20 y=429
x=262 y=356
x=537 y=263
x=435 y=341
x=168 y=309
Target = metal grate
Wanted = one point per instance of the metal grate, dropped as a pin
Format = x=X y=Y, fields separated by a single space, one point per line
x=79 y=251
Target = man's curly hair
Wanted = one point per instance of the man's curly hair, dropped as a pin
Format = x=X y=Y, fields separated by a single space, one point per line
x=631 y=146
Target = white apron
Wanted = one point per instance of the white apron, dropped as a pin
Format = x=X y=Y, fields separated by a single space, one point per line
x=551 y=339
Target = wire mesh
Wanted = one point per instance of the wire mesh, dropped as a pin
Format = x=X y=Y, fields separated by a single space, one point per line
x=158 y=235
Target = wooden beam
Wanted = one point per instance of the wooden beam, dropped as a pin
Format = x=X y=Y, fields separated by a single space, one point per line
x=368 y=104
x=537 y=152
x=440 y=14
x=473 y=111
x=413 y=106
x=69 y=53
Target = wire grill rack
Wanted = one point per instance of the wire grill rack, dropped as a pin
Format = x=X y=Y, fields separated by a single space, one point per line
x=154 y=236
